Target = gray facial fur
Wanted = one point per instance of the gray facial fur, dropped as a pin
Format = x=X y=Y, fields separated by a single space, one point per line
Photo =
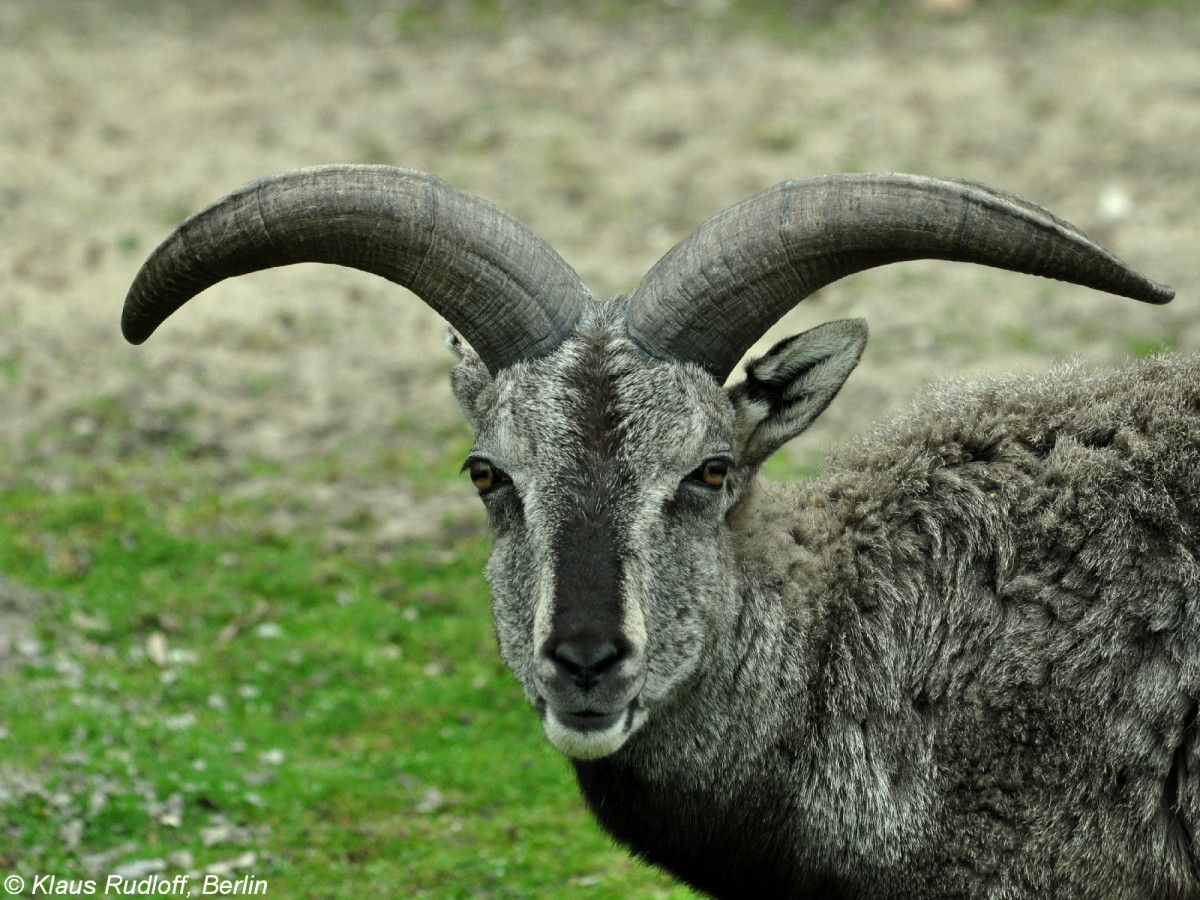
x=592 y=459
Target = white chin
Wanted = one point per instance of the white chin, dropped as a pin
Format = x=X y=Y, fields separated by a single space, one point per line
x=591 y=744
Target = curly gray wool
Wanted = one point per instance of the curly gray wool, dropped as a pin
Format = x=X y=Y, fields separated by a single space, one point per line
x=1002 y=592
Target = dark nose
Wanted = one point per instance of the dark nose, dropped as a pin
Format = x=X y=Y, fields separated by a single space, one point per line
x=587 y=662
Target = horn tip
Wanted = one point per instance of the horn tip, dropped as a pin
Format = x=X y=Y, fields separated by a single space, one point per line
x=134 y=328
x=1148 y=291
x=1162 y=294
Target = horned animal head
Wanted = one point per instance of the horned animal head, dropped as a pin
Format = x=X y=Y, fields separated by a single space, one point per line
x=609 y=455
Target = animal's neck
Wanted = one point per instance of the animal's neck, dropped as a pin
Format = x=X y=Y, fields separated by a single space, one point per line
x=679 y=793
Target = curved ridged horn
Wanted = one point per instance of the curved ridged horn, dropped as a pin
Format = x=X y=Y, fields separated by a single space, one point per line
x=509 y=294
x=720 y=288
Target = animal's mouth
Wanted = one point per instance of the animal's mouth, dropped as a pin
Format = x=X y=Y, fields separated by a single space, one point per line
x=591 y=720
x=589 y=733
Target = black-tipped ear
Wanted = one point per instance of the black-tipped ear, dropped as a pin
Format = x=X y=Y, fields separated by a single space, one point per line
x=468 y=378
x=791 y=385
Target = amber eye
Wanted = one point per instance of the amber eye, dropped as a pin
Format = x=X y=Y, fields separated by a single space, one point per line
x=484 y=475
x=712 y=473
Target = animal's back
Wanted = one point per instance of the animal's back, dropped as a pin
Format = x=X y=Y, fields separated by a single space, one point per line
x=1016 y=627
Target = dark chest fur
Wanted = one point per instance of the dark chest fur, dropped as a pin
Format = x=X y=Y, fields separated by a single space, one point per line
x=724 y=842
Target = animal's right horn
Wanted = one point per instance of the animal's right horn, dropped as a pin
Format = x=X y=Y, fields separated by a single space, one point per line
x=720 y=288
x=504 y=288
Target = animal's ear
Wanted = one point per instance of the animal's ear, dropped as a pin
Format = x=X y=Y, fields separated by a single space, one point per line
x=468 y=378
x=791 y=385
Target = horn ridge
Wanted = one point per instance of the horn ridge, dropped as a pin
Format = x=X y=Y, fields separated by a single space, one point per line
x=721 y=287
x=501 y=286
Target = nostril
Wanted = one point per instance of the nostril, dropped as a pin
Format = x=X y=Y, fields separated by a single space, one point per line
x=576 y=656
x=586 y=662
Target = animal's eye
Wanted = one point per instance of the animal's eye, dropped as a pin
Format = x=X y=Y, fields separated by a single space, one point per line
x=712 y=472
x=484 y=475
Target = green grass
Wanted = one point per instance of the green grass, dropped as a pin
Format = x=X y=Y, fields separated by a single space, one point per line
x=201 y=686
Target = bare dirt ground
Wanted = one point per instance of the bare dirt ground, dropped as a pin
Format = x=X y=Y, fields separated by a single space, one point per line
x=611 y=137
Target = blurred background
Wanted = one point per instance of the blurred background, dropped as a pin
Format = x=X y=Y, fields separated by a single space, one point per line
x=250 y=500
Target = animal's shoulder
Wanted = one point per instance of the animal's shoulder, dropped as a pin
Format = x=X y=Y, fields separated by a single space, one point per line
x=1069 y=423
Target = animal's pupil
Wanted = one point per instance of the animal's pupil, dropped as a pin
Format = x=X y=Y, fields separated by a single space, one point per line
x=482 y=475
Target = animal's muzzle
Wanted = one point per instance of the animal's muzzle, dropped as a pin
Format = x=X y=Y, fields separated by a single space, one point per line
x=587 y=661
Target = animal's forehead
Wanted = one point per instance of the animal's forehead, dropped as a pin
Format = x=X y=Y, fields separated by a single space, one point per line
x=599 y=394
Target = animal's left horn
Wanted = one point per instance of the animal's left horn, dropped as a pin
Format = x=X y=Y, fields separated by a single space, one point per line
x=504 y=288
x=720 y=288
